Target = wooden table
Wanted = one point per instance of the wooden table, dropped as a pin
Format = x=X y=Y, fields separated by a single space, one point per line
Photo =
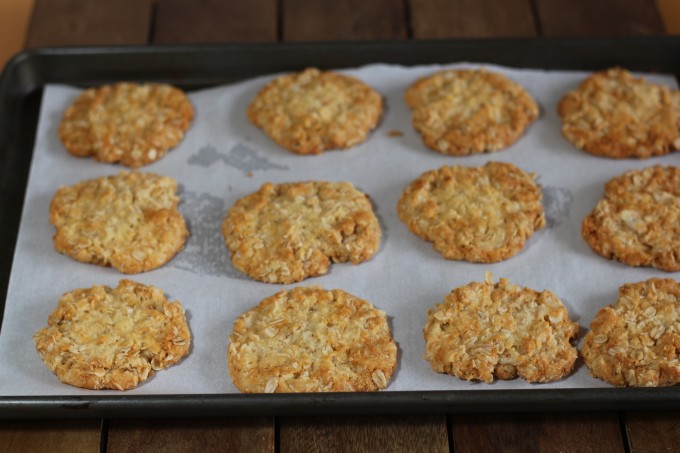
x=82 y=22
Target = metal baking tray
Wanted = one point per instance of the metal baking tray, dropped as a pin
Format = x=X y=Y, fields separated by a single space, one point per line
x=193 y=67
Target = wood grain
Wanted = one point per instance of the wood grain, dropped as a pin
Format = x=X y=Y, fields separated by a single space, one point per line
x=53 y=436
x=215 y=21
x=14 y=18
x=351 y=434
x=653 y=432
x=324 y=20
x=439 y=19
x=669 y=10
x=86 y=22
x=189 y=435
x=588 y=432
x=599 y=17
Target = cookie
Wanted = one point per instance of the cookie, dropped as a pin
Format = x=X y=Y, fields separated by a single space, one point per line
x=104 y=338
x=483 y=331
x=638 y=220
x=284 y=233
x=128 y=221
x=614 y=114
x=478 y=214
x=312 y=111
x=635 y=342
x=126 y=122
x=311 y=340
x=470 y=111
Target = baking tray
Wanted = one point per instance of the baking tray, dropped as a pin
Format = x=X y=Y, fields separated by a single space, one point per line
x=194 y=67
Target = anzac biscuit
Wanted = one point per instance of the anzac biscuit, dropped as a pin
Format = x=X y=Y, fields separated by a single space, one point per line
x=104 y=338
x=126 y=122
x=313 y=111
x=638 y=220
x=461 y=112
x=483 y=331
x=311 y=340
x=481 y=215
x=284 y=233
x=613 y=114
x=129 y=221
x=636 y=342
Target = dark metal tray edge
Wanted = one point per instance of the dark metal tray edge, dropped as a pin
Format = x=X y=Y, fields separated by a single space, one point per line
x=194 y=66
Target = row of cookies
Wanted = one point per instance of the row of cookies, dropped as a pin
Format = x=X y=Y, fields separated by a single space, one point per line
x=284 y=233
x=311 y=340
x=457 y=112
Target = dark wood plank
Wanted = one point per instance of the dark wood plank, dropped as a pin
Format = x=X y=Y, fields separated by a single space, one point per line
x=323 y=20
x=53 y=436
x=653 y=432
x=439 y=19
x=596 y=432
x=599 y=17
x=84 y=22
x=350 y=434
x=189 y=435
x=215 y=21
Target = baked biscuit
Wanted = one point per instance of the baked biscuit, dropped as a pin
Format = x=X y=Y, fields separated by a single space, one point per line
x=126 y=122
x=613 y=114
x=481 y=215
x=312 y=111
x=104 y=338
x=129 y=221
x=470 y=111
x=284 y=233
x=638 y=220
x=483 y=331
x=635 y=342
x=311 y=340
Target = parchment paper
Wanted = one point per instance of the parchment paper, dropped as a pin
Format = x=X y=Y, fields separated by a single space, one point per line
x=224 y=157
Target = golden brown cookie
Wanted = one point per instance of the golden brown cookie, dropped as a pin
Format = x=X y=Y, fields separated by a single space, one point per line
x=470 y=111
x=126 y=122
x=104 y=338
x=284 y=233
x=483 y=331
x=614 y=114
x=636 y=342
x=129 y=221
x=478 y=214
x=312 y=111
x=311 y=340
x=638 y=220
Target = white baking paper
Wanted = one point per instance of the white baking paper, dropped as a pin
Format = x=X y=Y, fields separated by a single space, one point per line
x=224 y=157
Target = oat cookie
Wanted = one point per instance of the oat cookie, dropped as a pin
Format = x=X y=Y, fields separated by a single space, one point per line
x=614 y=114
x=104 y=338
x=478 y=214
x=284 y=233
x=635 y=342
x=638 y=220
x=312 y=111
x=470 y=111
x=311 y=340
x=126 y=122
x=129 y=221
x=483 y=331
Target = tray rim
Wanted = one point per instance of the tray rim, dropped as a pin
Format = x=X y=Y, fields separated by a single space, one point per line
x=27 y=73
